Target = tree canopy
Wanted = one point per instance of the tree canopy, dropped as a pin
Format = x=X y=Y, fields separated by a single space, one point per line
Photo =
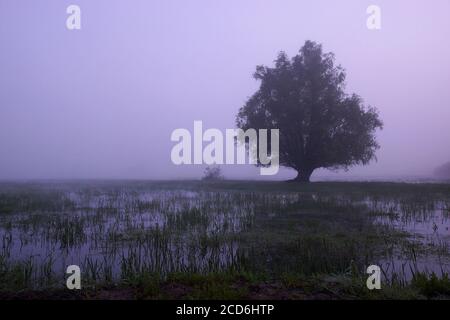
x=320 y=125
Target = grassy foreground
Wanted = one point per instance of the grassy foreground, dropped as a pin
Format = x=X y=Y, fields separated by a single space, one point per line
x=224 y=240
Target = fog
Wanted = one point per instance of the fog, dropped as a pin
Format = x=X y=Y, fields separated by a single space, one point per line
x=102 y=102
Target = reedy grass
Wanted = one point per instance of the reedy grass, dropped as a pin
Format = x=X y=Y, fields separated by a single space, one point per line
x=124 y=233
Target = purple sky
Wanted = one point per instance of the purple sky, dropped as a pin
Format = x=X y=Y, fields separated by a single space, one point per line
x=102 y=102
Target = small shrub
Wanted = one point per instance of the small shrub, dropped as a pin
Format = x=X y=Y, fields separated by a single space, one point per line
x=213 y=173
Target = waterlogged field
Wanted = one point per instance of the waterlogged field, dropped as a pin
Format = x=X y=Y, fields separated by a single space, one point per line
x=230 y=239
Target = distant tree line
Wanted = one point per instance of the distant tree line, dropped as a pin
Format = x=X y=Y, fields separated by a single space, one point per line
x=443 y=172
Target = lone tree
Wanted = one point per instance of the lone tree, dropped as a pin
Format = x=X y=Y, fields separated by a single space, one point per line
x=320 y=125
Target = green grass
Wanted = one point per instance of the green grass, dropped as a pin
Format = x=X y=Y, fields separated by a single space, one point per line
x=224 y=240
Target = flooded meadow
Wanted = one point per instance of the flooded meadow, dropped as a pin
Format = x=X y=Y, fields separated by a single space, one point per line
x=119 y=232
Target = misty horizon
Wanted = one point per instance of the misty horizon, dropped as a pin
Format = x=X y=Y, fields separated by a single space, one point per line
x=102 y=102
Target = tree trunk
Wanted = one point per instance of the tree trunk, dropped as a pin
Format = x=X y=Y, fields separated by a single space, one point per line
x=303 y=176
